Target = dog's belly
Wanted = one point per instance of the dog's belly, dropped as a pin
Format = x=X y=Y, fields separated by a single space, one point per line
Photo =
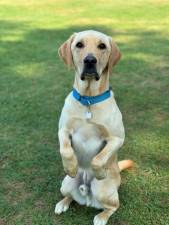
x=87 y=143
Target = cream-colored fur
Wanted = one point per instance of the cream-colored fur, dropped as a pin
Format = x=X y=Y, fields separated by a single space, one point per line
x=89 y=147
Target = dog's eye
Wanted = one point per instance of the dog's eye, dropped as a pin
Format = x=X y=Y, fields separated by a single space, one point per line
x=79 y=45
x=102 y=46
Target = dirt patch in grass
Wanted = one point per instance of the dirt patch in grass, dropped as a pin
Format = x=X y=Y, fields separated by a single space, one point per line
x=160 y=117
x=39 y=204
x=2 y=222
x=15 y=192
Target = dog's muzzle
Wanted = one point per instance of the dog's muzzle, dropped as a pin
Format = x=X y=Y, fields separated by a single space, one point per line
x=89 y=69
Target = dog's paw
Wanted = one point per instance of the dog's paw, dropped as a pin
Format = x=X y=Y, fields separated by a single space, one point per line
x=70 y=165
x=99 y=220
x=99 y=168
x=99 y=173
x=61 y=207
x=71 y=170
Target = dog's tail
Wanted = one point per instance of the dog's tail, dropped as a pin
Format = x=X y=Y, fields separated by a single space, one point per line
x=125 y=164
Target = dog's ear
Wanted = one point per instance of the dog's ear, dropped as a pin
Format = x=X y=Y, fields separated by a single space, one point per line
x=115 y=55
x=65 y=52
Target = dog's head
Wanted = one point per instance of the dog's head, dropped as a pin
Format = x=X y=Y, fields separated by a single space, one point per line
x=90 y=53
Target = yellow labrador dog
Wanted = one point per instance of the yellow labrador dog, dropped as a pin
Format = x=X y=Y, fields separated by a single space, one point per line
x=90 y=128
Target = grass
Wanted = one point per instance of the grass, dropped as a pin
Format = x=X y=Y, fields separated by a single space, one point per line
x=34 y=83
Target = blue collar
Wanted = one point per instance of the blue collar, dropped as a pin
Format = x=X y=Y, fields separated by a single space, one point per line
x=91 y=100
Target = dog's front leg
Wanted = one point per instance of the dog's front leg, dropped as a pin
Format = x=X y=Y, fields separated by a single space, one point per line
x=69 y=159
x=99 y=162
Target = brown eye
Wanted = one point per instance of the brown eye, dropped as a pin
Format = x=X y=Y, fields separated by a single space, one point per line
x=79 y=45
x=102 y=46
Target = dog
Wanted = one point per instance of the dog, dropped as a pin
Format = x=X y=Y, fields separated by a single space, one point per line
x=90 y=127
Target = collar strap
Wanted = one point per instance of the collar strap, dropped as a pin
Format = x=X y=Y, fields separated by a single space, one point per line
x=90 y=100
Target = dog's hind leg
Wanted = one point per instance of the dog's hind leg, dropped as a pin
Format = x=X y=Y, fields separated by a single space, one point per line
x=63 y=205
x=102 y=218
x=68 y=185
x=70 y=190
x=106 y=193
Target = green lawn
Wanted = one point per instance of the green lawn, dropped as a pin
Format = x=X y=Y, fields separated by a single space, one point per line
x=33 y=86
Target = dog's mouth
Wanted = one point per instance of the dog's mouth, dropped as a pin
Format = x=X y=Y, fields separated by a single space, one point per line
x=90 y=73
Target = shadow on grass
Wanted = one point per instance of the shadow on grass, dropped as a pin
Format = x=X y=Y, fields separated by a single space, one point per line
x=32 y=62
x=34 y=83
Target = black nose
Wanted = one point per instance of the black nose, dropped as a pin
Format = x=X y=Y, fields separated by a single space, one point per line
x=90 y=59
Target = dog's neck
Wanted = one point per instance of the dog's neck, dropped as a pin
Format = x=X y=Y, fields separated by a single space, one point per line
x=91 y=87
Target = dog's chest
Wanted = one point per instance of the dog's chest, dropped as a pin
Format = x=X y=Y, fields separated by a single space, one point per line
x=106 y=114
x=87 y=141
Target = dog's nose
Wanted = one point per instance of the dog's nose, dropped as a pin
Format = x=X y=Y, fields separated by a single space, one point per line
x=90 y=59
